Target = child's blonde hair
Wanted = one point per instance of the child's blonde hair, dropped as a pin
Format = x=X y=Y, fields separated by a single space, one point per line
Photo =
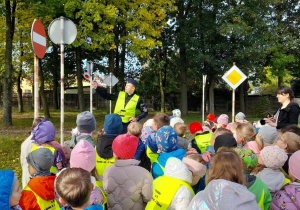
x=135 y=129
x=260 y=142
x=226 y=165
x=293 y=142
x=218 y=132
x=246 y=131
x=234 y=126
x=180 y=128
x=74 y=186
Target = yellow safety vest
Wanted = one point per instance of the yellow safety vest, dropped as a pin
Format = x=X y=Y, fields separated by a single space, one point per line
x=164 y=190
x=203 y=141
x=53 y=169
x=153 y=157
x=126 y=112
x=101 y=165
x=44 y=204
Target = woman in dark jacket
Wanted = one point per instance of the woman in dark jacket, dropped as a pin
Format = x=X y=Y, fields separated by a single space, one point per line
x=288 y=113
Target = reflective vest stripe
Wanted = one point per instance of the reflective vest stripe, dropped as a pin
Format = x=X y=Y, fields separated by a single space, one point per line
x=261 y=201
x=44 y=204
x=53 y=169
x=203 y=141
x=164 y=190
x=126 y=112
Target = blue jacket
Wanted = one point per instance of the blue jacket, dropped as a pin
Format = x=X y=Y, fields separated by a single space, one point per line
x=157 y=169
x=93 y=207
x=6 y=182
x=140 y=149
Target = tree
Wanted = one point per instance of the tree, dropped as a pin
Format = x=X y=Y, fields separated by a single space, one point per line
x=10 y=10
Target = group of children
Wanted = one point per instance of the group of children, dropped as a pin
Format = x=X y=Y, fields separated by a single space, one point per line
x=156 y=166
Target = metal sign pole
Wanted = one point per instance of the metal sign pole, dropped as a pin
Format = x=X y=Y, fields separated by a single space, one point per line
x=233 y=104
x=36 y=87
x=203 y=95
x=91 y=88
x=62 y=82
x=110 y=84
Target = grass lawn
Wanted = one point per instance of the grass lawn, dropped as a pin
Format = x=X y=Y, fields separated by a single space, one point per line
x=11 y=137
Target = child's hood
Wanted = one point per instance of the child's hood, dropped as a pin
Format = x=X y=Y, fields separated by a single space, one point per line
x=43 y=132
x=43 y=186
x=177 y=169
x=227 y=194
x=163 y=157
x=6 y=182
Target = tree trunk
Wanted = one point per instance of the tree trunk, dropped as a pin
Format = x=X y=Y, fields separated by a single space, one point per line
x=280 y=81
x=183 y=80
x=7 y=80
x=122 y=70
x=55 y=78
x=42 y=92
x=19 y=89
x=79 y=80
x=111 y=61
x=212 y=97
x=242 y=98
x=162 y=92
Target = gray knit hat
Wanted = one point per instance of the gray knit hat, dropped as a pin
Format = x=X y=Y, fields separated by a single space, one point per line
x=240 y=116
x=268 y=134
x=41 y=159
x=86 y=122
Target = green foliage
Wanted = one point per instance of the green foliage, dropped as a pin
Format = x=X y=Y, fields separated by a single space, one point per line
x=258 y=109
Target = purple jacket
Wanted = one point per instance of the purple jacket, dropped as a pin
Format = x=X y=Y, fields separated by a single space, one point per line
x=289 y=198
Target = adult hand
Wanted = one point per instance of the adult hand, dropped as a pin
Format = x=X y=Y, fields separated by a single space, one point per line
x=95 y=85
x=132 y=119
x=270 y=122
x=272 y=118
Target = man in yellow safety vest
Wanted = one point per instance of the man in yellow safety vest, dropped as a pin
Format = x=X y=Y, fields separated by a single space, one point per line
x=126 y=102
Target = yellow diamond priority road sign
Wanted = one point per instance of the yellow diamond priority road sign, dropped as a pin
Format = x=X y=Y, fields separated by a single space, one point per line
x=234 y=77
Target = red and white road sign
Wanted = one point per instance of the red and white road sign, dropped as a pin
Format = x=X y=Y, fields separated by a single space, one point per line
x=38 y=38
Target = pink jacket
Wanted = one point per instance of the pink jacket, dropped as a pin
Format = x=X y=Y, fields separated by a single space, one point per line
x=289 y=198
x=128 y=186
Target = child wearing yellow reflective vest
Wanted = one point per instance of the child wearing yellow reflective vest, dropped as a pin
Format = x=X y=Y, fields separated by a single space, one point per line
x=104 y=154
x=44 y=137
x=166 y=140
x=202 y=138
x=39 y=193
x=172 y=190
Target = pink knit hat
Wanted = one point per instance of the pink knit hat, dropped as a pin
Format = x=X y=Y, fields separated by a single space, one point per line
x=83 y=156
x=223 y=119
x=273 y=156
x=294 y=164
x=124 y=146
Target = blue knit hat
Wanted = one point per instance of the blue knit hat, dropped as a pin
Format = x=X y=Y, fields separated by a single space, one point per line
x=166 y=139
x=113 y=124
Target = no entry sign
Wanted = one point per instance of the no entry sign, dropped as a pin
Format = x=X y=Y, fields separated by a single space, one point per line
x=38 y=38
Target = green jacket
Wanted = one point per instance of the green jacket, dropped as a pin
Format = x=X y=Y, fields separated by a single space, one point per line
x=260 y=190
